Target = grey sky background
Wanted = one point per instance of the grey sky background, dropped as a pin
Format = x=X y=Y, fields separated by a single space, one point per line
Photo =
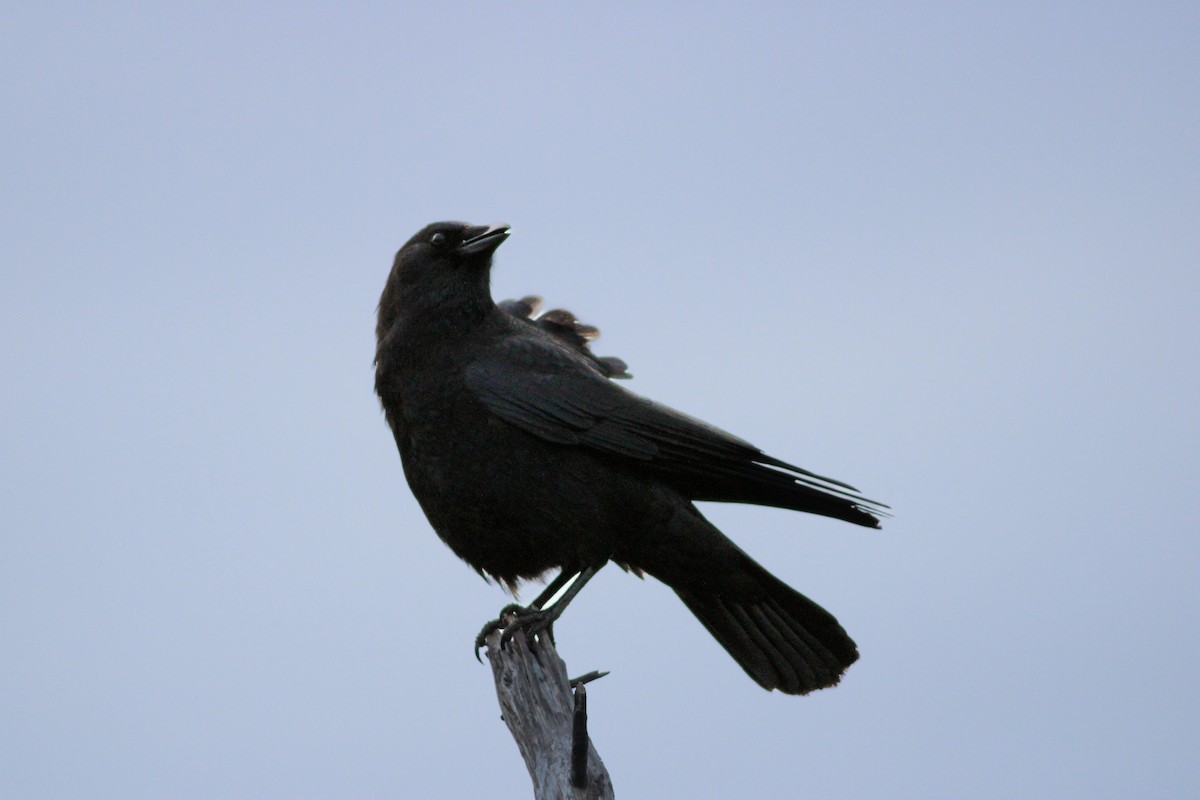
x=946 y=252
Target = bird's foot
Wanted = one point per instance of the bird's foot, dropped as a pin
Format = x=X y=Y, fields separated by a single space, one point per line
x=513 y=618
x=534 y=622
x=495 y=625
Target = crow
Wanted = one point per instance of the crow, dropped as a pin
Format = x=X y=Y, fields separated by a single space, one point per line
x=526 y=457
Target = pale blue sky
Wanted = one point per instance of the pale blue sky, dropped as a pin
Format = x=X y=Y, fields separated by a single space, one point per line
x=948 y=253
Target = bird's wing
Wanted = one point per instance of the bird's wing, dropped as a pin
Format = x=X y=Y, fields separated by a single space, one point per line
x=566 y=328
x=549 y=393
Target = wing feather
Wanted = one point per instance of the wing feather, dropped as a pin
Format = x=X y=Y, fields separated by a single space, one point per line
x=552 y=394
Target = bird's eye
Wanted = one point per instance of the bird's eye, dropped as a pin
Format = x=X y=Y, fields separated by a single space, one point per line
x=438 y=239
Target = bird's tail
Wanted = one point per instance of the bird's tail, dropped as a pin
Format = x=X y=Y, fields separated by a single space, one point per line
x=781 y=638
x=778 y=636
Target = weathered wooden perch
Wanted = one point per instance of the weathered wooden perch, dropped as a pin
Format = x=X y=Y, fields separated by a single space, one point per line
x=537 y=704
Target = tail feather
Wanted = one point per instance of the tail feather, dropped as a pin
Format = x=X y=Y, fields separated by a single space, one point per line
x=778 y=636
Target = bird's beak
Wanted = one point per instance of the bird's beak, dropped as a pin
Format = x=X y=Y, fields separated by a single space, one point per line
x=483 y=239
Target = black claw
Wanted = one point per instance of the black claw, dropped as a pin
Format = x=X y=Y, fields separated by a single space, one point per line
x=481 y=639
x=536 y=619
x=497 y=624
x=534 y=622
x=514 y=617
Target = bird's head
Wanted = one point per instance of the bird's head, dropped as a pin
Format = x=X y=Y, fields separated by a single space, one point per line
x=443 y=271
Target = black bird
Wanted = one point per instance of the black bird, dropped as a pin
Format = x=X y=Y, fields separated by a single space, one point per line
x=525 y=457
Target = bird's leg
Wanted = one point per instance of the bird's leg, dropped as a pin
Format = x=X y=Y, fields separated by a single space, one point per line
x=516 y=609
x=536 y=618
x=553 y=588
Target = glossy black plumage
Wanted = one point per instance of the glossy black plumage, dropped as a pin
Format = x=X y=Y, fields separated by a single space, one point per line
x=525 y=456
